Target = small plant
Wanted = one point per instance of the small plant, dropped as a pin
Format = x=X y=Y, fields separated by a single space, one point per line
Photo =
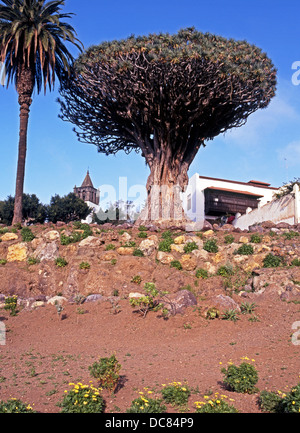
x=176 y=264
x=247 y=308
x=138 y=253
x=137 y=279
x=211 y=246
x=129 y=244
x=228 y=239
x=146 y=405
x=269 y=401
x=176 y=394
x=82 y=399
x=291 y=401
x=113 y=262
x=256 y=239
x=245 y=250
x=142 y=229
x=165 y=245
x=296 y=262
x=142 y=235
x=190 y=246
x=212 y=313
x=11 y=304
x=290 y=235
x=72 y=239
x=241 y=378
x=3 y=262
x=202 y=273
x=84 y=265
x=216 y=405
x=27 y=235
x=280 y=402
x=230 y=315
x=32 y=261
x=271 y=261
x=15 y=406
x=149 y=302
x=226 y=271
x=61 y=262
x=106 y=370
x=110 y=247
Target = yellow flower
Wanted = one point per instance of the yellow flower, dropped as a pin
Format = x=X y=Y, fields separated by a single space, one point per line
x=85 y=403
x=150 y=392
x=142 y=407
x=183 y=389
x=206 y=397
x=293 y=402
x=218 y=402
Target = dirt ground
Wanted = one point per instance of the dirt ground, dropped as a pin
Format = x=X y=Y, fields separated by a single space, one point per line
x=43 y=354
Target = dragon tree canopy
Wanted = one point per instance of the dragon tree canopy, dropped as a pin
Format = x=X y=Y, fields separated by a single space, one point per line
x=166 y=96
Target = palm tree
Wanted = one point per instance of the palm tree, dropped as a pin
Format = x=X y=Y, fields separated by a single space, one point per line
x=33 y=51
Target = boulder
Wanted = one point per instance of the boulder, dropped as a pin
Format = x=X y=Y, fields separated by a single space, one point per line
x=177 y=248
x=125 y=251
x=91 y=242
x=17 y=253
x=224 y=303
x=125 y=237
x=188 y=262
x=108 y=256
x=243 y=240
x=51 y=236
x=9 y=237
x=165 y=258
x=56 y=300
x=181 y=301
x=94 y=298
x=148 y=246
x=180 y=240
x=208 y=233
x=46 y=251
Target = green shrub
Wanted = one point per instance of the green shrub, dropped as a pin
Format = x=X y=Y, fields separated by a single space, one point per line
x=213 y=313
x=230 y=315
x=72 y=239
x=202 y=273
x=291 y=402
x=176 y=264
x=225 y=271
x=27 y=235
x=142 y=235
x=296 y=262
x=137 y=279
x=228 y=239
x=110 y=247
x=190 y=246
x=32 y=261
x=176 y=394
x=167 y=235
x=217 y=405
x=138 y=253
x=10 y=304
x=165 y=245
x=142 y=229
x=84 y=265
x=82 y=399
x=61 y=262
x=106 y=370
x=150 y=301
x=245 y=250
x=241 y=378
x=281 y=403
x=256 y=239
x=211 y=246
x=15 y=406
x=247 y=308
x=3 y=262
x=271 y=261
x=290 y=235
x=269 y=401
x=129 y=244
x=146 y=405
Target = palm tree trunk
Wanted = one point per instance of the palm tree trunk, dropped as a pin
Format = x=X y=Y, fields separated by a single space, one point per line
x=25 y=90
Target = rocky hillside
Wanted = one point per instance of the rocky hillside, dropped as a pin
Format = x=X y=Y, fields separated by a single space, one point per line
x=217 y=265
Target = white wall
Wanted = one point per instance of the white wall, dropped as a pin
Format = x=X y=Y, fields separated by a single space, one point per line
x=286 y=209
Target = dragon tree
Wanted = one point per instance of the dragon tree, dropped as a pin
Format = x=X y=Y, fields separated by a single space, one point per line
x=165 y=96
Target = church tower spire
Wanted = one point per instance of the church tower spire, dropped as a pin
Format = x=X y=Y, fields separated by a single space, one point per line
x=86 y=191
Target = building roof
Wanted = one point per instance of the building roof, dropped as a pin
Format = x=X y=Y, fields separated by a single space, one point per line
x=255 y=183
x=87 y=181
x=235 y=191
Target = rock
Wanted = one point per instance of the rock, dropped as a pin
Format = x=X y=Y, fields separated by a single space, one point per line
x=46 y=251
x=210 y=268
x=56 y=300
x=125 y=237
x=188 y=262
x=9 y=237
x=164 y=258
x=94 y=298
x=208 y=233
x=51 y=236
x=17 y=253
x=227 y=228
x=36 y=242
x=177 y=248
x=135 y=295
x=243 y=240
x=91 y=242
x=148 y=246
x=108 y=256
x=283 y=226
x=37 y=304
x=180 y=240
x=181 y=301
x=125 y=251
x=207 y=226
x=218 y=258
x=201 y=254
x=268 y=224
x=226 y=303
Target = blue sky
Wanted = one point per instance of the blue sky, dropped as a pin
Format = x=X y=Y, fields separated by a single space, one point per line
x=267 y=148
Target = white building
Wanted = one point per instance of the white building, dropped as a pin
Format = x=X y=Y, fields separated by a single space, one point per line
x=209 y=198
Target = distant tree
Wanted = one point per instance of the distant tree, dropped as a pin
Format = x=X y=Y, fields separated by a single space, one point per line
x=32 y=210
x=166 y=96
x=287 y=188
x=68 y=208
x=33 y=50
